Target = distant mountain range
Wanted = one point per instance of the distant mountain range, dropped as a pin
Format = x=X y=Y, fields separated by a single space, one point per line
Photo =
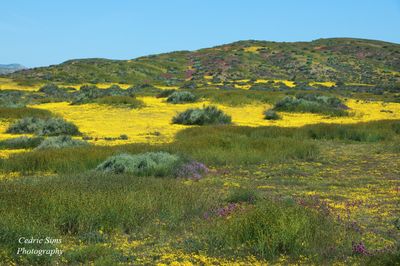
x=336 y=59
x=10 y=68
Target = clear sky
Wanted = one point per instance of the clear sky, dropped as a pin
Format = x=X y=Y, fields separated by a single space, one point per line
x=43 y=32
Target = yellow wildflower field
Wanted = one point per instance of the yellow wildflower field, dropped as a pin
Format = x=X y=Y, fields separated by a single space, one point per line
x=8 y=84
x=252 y=49
x=152 y=123
x=325 y=83
x=288 y=83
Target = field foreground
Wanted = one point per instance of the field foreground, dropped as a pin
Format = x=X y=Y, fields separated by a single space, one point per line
x=305 y=188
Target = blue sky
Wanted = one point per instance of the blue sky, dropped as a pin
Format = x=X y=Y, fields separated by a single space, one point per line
x=43 y=32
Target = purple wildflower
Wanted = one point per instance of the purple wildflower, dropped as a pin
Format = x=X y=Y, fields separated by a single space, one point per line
x=192 y=170
x=359 y=248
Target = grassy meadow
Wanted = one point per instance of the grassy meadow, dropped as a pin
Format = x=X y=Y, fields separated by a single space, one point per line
x=161 y=175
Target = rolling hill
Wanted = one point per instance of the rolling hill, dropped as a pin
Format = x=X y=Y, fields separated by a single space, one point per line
x=10 y=68
x=335 y=59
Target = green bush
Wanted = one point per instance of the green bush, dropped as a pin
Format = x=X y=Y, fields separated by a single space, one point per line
x=312 y=103
x=182 y=97
x=12 y=99
x=21 y=143
x=165 y=93
x=143 y=89
x=43 y=127
x=61 y=142
x=124 y=101
x=271 y=115
x=144 y=164
x=53 y=90
x=86 y=94
x=123 y=137
x=202 y=116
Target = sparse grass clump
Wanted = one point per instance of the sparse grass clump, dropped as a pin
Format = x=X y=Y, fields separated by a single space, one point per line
x=312 y=103
x=182 y=97
x=241 y=195
x=21 y=143
x=271 y=115
x=365 y=132
x=209 y=115
x=144 y=164
x=121 y=101
x=43 y=127
x=61 y=142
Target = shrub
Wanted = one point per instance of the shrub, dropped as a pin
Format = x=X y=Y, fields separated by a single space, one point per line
x=112 y=95
x=123 y=137
x=143 y=89
x=271 y=115
x=12 y=99
x=54 y=91
x=43 y=127
x=20 y=143
x=182 y=97
x=191 y=85
x=165 y=93
x=86 y=94
x=312 y=103
x=125 y=101
x=61 y=142
x=202 y=116
x=143 y=164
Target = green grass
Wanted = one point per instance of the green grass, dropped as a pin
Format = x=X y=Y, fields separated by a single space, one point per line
x=214 y=145
x=81 y=205
x=21 y=143
x=270 y=229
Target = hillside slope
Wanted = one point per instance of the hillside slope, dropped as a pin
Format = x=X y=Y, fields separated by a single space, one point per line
x=338 y=59
x=10 y=68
